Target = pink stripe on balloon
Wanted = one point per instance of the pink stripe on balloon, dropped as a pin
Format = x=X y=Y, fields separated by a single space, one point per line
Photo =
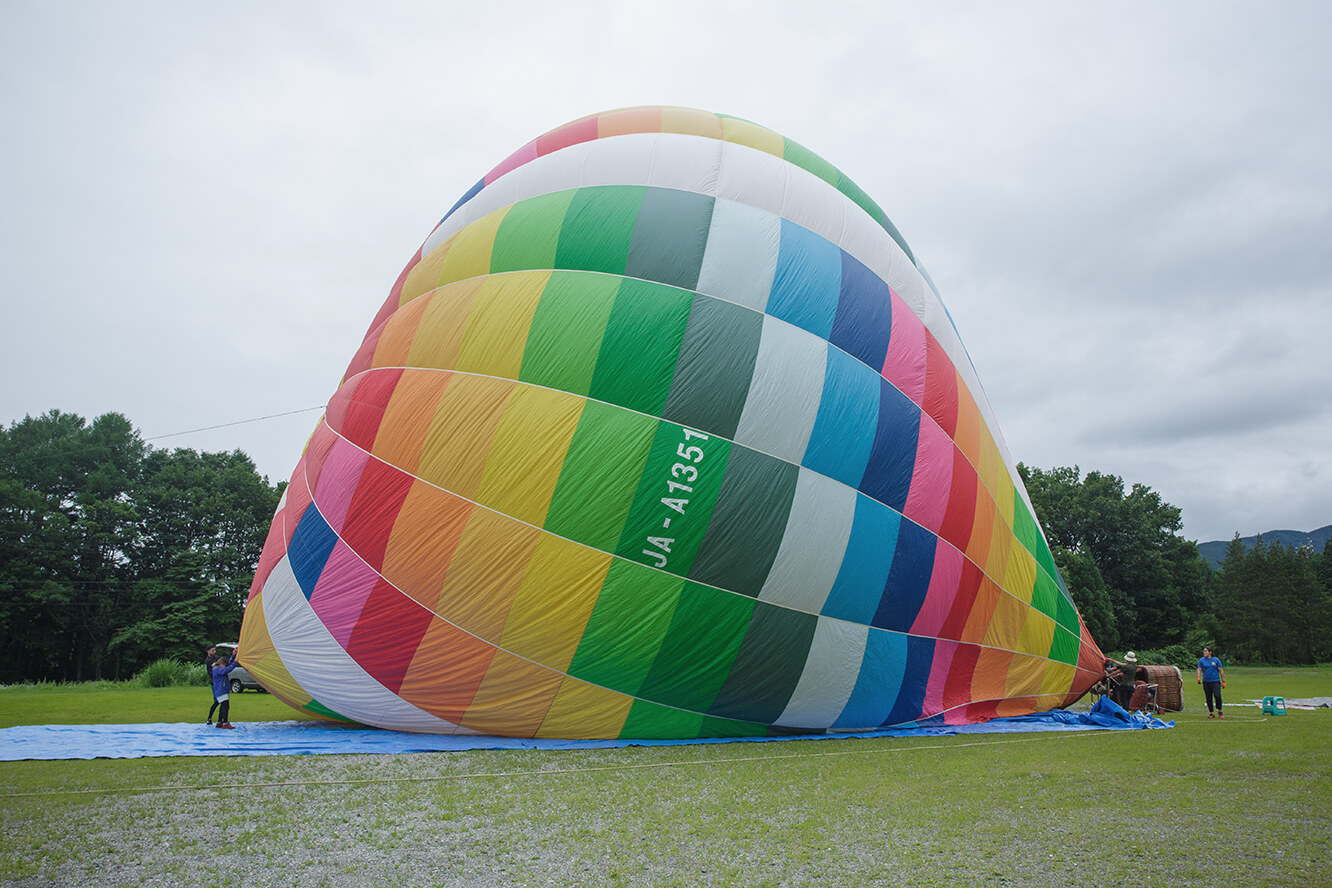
x=298 y=500
x=943 y=588
x=525 y=154
x=904 y=365
x=340 y=594
x=931 y=478
x=943 y=661
x=337 y=482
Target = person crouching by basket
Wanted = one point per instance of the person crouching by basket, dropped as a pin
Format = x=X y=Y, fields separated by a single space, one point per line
x=222 y=688
x=1212 y=677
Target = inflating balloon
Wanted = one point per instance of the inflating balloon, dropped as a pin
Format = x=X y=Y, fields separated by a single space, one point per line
x=662 y=433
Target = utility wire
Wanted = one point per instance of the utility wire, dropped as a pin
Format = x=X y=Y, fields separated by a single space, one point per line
x=66 y=454
x=236 y=423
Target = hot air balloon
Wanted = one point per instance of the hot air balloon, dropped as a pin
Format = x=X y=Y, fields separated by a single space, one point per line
x=662 y=433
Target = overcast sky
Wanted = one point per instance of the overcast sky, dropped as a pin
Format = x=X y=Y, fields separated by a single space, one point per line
x=1128 y=210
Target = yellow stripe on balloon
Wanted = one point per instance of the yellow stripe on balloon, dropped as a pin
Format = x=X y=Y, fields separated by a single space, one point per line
x=513 y=697
x=255 y=642
x=469 y=253
x=440 y=332
x=485 y=573
x=528 y=451
x=424 y=275
x=584 y=711
x=1037 y=633
x=1025 y=676
x=1006 y=623
x=496 y=333
x=742 y=132
x=1058 y=678
x=454 y=453
x=996 y=560
x=554 y=602
x=691 y=122
x=1020 y=577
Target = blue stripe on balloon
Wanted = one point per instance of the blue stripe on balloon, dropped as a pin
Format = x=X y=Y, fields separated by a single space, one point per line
x=915 y=679
x=893 y=459
x=310 y=547
x=856 y=593
x=808 y=280
x=471 y=193
x=909 y=579
x=864 y=314
x=844 y=429
x=878 y=683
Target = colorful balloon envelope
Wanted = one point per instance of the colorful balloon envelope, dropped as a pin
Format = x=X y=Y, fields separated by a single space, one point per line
x=662 y=433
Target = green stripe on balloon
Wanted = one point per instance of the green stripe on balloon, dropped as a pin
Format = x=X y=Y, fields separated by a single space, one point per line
x=641 y=345
x=528 y=236
x=1045 y=595
x=598 y=228
x=631 y=618
x=767 y=668
x=699 y=649
x=794 y=152
x=600 y=475
x=670 y=237
x=676 y=495
x=1064 y=647
x=748 y=522
x=716 y=363
x=567 y=328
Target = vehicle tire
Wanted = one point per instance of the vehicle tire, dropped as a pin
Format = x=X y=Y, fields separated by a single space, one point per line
x=236 y=686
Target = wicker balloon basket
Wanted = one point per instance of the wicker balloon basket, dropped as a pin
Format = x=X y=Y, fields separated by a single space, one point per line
x=1169 y=683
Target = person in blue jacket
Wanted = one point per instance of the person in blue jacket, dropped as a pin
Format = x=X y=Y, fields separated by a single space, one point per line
x=222 y=688
x=210 y=659
x=1213 y=678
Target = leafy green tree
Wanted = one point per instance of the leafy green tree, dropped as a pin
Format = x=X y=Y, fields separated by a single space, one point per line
x=113 y=554
x=1156 y=582
x=79 y=514
x=205 y=516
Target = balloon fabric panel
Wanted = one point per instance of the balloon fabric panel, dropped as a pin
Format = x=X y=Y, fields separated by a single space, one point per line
x=661 y=433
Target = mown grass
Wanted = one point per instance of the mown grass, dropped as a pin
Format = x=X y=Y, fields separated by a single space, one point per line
x=1246 y=801
x=108 y=703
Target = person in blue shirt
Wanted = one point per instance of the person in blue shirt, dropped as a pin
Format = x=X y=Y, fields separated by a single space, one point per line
x=1213 y=678
x=210 y=659
x=222 y=689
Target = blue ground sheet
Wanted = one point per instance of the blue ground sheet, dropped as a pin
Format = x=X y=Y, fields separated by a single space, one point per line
x=51 y=742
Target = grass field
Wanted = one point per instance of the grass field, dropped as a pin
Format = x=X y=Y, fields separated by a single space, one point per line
x=1242 y=802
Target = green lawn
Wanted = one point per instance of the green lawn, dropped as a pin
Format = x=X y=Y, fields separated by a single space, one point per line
x=1241 y=802
x=104 y=703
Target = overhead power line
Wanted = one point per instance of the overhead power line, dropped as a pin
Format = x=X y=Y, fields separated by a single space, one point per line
x=236 y=423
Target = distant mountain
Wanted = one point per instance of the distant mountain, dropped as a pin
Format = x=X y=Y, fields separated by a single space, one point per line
x=1215 y=551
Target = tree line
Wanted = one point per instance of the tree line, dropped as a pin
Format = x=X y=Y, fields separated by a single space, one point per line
x=114 y=553
x=1140 y=585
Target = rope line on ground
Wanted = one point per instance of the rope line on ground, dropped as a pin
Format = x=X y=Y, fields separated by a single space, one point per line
x=438 y=778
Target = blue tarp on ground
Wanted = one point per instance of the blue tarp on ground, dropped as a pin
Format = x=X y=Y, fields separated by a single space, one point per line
x=50 y=742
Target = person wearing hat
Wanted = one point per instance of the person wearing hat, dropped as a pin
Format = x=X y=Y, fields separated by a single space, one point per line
x=1123 y=677
x=1213 y=678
